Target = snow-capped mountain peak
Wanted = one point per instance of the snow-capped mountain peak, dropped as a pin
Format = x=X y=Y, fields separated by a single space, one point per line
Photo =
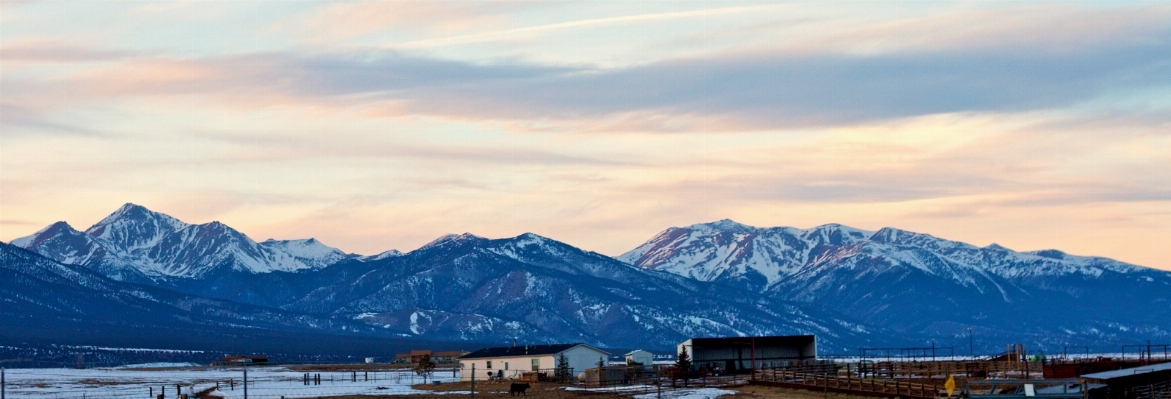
x=137 y=243
x=133 y=227
x=997 y=247
x=450 y=239
x=51 y=231
x=309 y=251
x=831 y=234
x=385 y=254
x=725 y=225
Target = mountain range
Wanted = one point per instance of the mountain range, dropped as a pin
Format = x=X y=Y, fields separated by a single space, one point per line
x=852 y=288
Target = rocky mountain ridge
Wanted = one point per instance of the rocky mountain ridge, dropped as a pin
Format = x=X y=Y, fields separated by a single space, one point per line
x=851 y=287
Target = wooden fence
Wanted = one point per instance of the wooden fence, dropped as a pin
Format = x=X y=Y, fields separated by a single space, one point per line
x=874 y=387
x=943 y=369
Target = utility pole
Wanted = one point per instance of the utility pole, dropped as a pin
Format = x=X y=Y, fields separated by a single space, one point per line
x=971 y=344
x=473 y=380
x=245 y=380
x=2 y=383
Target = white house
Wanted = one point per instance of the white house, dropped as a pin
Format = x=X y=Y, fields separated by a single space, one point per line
x=510 y=361
x=641 y=357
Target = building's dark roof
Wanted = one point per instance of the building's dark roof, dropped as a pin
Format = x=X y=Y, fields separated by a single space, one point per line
x=1107 y=375
x=522 y=350
x=769 y=340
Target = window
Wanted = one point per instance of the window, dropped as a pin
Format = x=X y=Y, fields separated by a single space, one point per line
x=506 y=365
x=489 y=365
x=536 y=364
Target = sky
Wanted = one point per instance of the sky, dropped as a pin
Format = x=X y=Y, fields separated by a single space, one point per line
x=379 y=125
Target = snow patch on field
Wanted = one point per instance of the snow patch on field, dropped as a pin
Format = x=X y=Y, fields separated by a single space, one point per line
x=156 y=365
x=699 y=393
x=263 y=382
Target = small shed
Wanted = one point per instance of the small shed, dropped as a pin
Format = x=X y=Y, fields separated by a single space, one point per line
x=641 y=357
x=606 y=375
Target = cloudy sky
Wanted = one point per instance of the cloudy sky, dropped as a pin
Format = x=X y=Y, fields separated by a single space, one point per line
x=379 y=125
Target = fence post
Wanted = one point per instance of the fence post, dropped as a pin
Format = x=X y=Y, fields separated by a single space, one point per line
x=245 y=380
x=473 y=380
x=825 y=382
x=3 y=384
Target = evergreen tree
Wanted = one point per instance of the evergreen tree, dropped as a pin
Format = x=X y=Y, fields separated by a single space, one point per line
x=562 y=372
x=683 y=365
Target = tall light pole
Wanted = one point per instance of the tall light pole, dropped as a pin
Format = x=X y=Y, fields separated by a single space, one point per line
x=971 y=344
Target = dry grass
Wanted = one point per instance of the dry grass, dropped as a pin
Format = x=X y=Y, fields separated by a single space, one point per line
x=92 y=382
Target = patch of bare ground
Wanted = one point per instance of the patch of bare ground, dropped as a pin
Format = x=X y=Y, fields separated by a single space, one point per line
x=489 y=389
x=96 y=382
x=763 y=392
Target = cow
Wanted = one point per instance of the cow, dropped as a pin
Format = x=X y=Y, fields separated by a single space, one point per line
x=519 y=388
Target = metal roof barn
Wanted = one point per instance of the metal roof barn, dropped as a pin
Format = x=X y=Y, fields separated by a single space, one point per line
x=743 y=354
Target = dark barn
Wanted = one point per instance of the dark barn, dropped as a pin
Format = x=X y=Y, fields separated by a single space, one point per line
x=738 y=354
x=1142 y=382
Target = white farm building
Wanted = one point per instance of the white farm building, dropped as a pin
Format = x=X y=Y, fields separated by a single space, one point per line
x=510 y=362
x=642 y=357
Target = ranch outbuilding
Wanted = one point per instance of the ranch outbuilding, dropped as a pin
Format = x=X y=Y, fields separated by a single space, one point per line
x=743 y=354
x=522 y=361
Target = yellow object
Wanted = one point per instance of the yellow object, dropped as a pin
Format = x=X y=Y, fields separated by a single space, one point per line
x=950 y=385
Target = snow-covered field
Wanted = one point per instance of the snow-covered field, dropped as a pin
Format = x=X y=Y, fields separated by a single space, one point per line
x=697 y=393
x=263 y=382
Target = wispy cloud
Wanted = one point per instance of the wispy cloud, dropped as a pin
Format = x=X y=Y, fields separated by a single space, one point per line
x=754 y=91
x=505 y=34
x=377 y=125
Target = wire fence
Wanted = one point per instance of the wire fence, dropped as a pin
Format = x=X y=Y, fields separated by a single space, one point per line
x=273 y=382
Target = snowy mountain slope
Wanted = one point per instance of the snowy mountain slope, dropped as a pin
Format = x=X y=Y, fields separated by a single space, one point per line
x=760 y=258
x=851 y=287
x=469 y=287
x=464 y=287
x=62 y=243
x=137 y=244
x=38 y=290
x=308 y=251
x=736 y=254
x=916 y=283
